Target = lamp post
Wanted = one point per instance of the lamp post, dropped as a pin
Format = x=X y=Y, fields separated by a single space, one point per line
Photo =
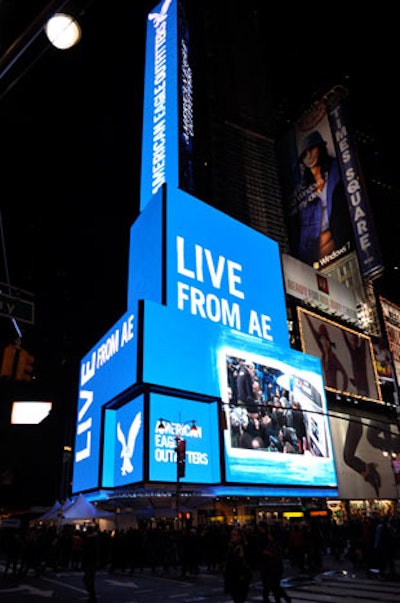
x=180 y=449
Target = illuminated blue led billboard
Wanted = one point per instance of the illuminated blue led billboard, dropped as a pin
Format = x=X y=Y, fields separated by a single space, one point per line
x=206 y=360
x=214 y=268
x=283 y=436
x=106 y=371
x=123 y=444
x=204 y=291
x=223 y=271
x=202 y=464
x=160 y=107
x=216 y=306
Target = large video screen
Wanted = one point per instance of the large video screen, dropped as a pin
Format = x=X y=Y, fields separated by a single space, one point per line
x=213 y=278
x=277 y=428
x=346 y=355
x=194 y=421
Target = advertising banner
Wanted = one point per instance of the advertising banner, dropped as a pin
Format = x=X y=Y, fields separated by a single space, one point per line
x=208 y=278
x=391 y=320
x=209 y=361
x=123 y=451
x=160 y=134
x=396 y=471
x=364 y=470
x=276 y=414
x=346 y=355
x=213 y=272
x=316 y=289
x=203 y=288
x=327 y=204
x=107 y=370
x=383 y=360
x=202 y=461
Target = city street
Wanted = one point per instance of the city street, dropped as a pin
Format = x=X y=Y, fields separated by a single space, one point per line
x=331 y=585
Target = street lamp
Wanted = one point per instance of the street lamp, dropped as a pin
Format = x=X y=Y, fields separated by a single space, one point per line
x=180 y=450
x=63 y=30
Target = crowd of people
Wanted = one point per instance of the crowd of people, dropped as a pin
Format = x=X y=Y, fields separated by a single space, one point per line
x=262 y=413
x=240 y=554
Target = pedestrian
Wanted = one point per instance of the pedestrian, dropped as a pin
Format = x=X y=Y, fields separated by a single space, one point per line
x=13 y=547
x=385 y=548
x=271 y=547
x=237 y=574
x=90 y=561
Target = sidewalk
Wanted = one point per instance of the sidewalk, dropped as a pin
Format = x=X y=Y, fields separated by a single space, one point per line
x=342 y=566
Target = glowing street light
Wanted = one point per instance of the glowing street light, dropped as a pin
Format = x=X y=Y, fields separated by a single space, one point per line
x=63 y=31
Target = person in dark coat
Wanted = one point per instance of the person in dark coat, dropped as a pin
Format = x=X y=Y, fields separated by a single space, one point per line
x=90 y=561
x=244 y=384
x=237 y=574
x=271 y=546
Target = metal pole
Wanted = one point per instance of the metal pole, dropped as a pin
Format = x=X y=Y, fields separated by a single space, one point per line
x=178 y=485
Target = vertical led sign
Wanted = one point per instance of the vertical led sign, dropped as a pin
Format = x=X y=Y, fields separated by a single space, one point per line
x=160 y=109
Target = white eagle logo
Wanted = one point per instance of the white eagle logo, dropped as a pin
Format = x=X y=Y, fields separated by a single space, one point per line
x=157 y=18
x=128 y=446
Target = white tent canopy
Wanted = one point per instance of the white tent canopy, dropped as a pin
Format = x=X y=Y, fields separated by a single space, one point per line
x=51 y=513
x=66 y=505
x=79 y=509
x=84 y=510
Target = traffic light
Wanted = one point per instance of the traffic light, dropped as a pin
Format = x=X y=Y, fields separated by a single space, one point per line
x=24 y=370
x=181 y=457
x=9 y=361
